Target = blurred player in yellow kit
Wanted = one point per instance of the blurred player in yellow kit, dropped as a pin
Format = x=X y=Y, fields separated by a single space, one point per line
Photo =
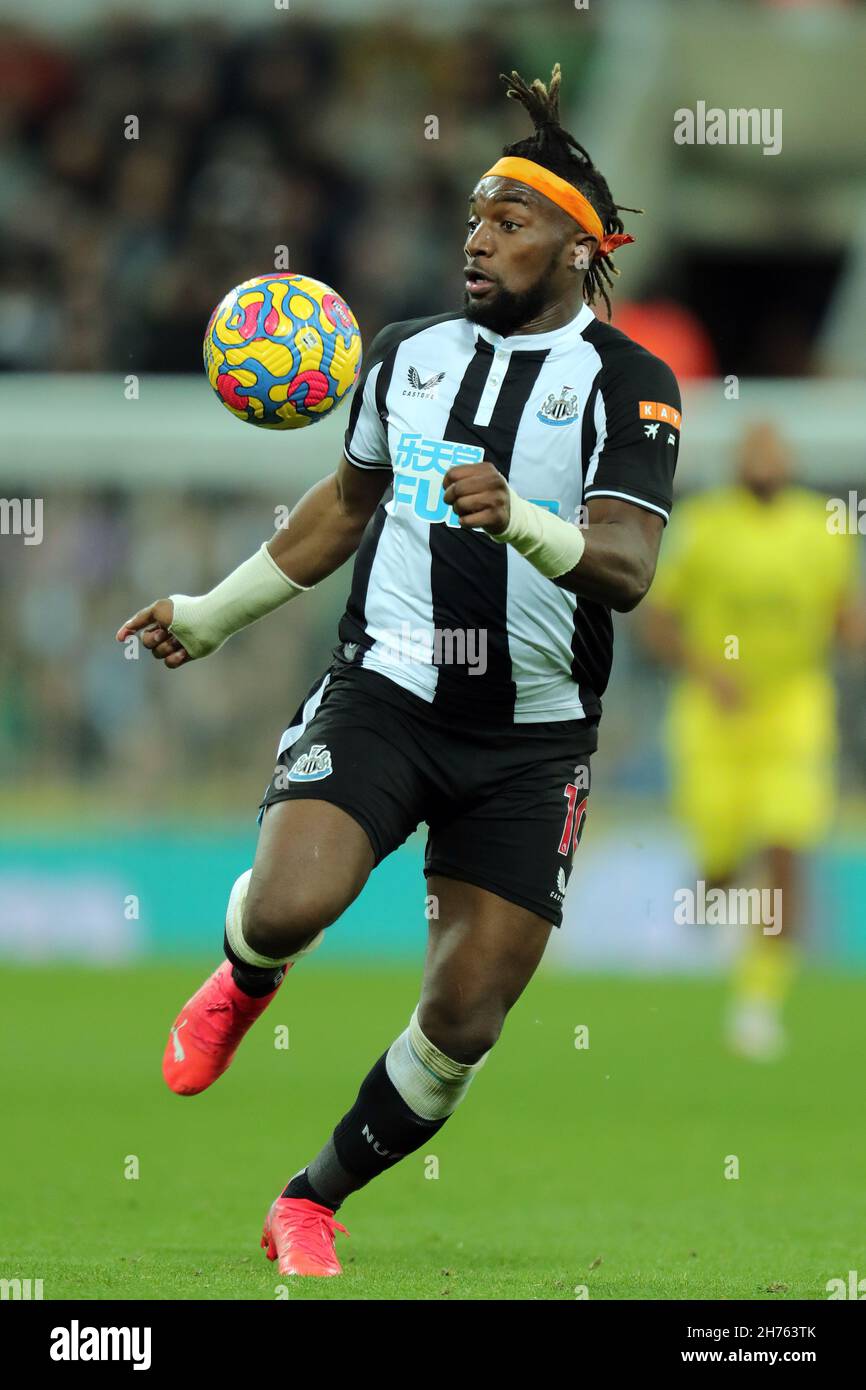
x=751 y=593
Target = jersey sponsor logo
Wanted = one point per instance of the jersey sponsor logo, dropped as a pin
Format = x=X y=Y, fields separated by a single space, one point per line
x=420 y=464
x=423 y=390
x=559 y=410
x=415 y=453
x=657 y=410
x=312 y=766
x=651 y=430
x=419 y=467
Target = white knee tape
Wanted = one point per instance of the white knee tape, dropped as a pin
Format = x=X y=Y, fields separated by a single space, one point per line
x=431 y=1084
x=308 y=949
x=235 y=932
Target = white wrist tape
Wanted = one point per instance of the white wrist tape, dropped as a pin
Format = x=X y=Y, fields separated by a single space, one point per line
x=258 y=586
x=552 y=545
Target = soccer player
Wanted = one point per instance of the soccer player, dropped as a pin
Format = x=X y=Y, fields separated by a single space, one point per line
x=476 y=440
x=745 y=608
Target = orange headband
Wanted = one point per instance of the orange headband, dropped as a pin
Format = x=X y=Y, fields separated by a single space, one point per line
x=565 y=195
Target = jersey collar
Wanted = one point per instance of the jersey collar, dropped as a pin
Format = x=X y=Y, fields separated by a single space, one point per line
x=537 y=342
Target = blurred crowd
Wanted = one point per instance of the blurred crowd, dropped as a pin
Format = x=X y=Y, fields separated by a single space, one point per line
x=146 y=168
x=78 y=708
x=115 y=249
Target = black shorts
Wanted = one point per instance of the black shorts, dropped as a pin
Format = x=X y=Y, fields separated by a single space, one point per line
x=505 y=807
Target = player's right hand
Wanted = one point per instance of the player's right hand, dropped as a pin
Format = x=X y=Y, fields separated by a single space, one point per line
x=155 y=620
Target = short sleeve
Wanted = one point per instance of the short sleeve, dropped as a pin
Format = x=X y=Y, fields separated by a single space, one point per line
x=366 y=439
x=637 y=419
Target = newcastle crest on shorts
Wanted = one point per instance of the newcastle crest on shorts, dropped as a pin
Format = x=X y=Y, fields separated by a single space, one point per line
x=559 y=410
x=312 y=766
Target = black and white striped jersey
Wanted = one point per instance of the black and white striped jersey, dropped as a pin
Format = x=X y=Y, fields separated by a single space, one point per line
x=454 y=617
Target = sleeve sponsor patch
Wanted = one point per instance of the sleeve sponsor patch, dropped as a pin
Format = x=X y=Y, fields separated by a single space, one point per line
x=657 y=410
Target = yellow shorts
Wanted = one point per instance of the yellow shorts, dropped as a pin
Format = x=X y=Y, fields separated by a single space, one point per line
x=758 y=777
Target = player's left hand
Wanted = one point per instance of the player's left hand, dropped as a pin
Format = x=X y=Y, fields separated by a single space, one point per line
x=478 y=493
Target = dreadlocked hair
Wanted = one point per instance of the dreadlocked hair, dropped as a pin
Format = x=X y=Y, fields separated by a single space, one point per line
x=558 y=151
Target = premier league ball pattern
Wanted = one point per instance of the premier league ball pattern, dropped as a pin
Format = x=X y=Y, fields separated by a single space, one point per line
x=281 y=351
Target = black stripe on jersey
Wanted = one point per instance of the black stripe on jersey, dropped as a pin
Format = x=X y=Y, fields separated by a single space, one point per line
x=592 y=653
x=358 y=398
x=468 y=570
x=636 y=468
x=355 y=410
x=591 y=623
x=383 y=349
x=627 y=373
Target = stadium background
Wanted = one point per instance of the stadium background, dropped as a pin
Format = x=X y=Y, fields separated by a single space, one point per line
x=128 y=795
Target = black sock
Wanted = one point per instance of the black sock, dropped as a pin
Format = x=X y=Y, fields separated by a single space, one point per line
x=255 y=980
x=300 y=1186
x=377 y=1132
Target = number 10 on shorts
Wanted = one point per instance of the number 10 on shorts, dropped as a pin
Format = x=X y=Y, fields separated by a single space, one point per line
x=574 y=819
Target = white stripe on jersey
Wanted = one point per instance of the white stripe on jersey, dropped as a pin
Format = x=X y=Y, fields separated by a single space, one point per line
x=365 y=444
x=371 y=467
x=600 y=422
x=394 y=605
x=492 y=387
x=627 y=497
x=540 y=615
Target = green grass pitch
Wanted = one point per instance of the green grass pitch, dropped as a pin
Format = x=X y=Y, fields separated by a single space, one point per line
x=565 y=1168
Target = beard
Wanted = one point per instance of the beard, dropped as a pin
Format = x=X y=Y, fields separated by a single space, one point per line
x=507 y=311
